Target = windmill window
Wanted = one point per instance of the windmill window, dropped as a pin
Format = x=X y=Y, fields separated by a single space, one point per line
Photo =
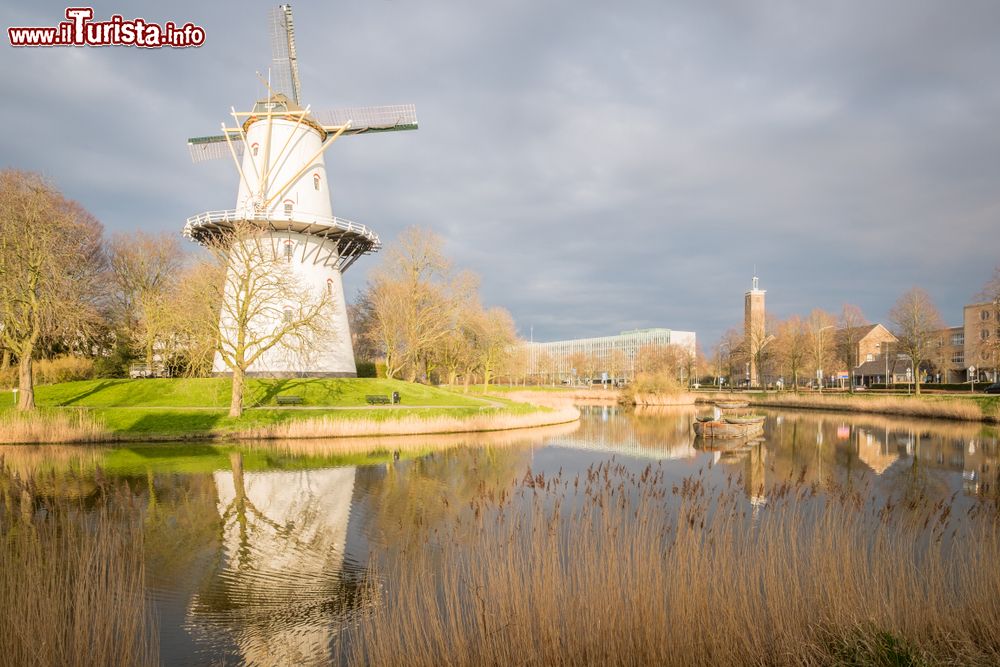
x=316 y=181
x=984 y=315
x=253 y=149
x=287 y=315
x=288 y=207
x=984 y=334
x=289 y=246
x=329 y=285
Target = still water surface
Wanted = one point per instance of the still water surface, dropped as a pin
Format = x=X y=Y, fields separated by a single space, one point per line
x=255 y=552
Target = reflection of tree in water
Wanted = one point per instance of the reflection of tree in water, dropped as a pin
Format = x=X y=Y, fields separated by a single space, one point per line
x=278 y=584
x=410 y=499
x=645 y=432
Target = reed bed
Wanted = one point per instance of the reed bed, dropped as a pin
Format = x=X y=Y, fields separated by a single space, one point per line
x=51 y=426
x=909 y=406
x=331 y=427
x=656 y=399
x=406 y=444
x=72 y=588
x=616 y=567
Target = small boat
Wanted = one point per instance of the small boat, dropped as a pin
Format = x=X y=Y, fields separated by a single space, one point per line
x=724 y=429
x=731 y=405
x=744 y=419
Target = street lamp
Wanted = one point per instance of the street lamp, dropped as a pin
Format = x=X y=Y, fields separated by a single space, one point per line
x=972 y=376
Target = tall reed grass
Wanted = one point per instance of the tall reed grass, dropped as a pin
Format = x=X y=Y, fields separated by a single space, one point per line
x=331 y=427
x=614 y=567
x=51 y=426
x=72 y=580
x=909 y=406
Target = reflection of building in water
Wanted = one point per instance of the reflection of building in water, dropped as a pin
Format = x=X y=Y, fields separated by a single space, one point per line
x=754 y=476
x=979 y=472
x=874 y=451
x=661 y=434
x=284 y=534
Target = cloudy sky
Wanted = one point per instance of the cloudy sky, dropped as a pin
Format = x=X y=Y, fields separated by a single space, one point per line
x=603 y=166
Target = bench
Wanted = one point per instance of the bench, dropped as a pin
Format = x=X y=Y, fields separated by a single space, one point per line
x=372 y=399
x=289 y=400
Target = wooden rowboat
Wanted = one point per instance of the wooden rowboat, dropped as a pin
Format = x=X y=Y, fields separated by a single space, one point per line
x=731 y=405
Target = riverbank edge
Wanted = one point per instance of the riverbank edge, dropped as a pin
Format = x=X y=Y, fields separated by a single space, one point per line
x=951 y=409
x=45 y=428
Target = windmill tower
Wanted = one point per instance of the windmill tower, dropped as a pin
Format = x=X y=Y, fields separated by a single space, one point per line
x=278 y=147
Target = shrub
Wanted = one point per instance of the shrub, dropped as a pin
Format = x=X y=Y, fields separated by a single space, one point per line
x=63 y=369
x=367 y=369
x=647 y=385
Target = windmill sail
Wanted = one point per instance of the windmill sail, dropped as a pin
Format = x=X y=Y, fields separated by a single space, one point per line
x=371 y=119
x=285 y=66
x=214 y=147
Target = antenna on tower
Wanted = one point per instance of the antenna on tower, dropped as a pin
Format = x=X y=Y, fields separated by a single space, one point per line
x=756 y=284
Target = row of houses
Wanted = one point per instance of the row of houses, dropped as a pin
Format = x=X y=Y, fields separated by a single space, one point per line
x=963 y=353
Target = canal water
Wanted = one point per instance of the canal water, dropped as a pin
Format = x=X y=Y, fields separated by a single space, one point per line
x=255 y=552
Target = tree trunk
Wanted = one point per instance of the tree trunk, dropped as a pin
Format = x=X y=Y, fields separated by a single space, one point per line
x=5 y=361
x=916 y=378
x=149 y=356
x=236 y=400
x=25 y=384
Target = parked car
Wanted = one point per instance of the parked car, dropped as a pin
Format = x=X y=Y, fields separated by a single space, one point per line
x=993 y=388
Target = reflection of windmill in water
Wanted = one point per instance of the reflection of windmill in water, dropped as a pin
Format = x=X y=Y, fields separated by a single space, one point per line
x=278 y=149
x=280 y=578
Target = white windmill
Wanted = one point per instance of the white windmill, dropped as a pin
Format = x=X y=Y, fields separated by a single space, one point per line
x=278 y=149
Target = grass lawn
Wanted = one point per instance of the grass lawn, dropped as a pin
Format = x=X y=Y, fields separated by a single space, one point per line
x=180 y=408
x=214 y=393
x=175 y=421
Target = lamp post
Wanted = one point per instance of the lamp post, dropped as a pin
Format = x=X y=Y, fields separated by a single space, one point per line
x=972 y=376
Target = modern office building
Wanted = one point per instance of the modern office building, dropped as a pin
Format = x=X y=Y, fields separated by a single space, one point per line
x=605 y=358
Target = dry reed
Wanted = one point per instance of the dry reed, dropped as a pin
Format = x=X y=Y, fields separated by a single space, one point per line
x=416 y=444
x=51 y=426
x=911 y=406
x=331 y=427
x=615 y=567
x=72 y=580
x=646 y=399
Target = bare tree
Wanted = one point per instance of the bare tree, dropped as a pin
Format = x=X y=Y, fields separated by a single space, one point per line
x=852 y=323
x=193 y=306
x=496 y=339
x=729 y=354
x=792 y=347
x=51 y=264
x=264 y=305
x=413 y=298
x=916 y=320
x=145 y=268
x=819 y=326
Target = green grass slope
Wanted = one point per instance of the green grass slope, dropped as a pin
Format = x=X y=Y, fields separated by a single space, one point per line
x=214 y=393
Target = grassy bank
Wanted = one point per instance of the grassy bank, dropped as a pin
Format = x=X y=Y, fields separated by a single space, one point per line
x=614 y=568
x=971 y=408
x=134 y=410
x=214 y=393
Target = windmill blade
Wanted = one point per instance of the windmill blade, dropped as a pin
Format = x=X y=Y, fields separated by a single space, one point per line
x=285 y=66
x=388 y=118
x=214 y=147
